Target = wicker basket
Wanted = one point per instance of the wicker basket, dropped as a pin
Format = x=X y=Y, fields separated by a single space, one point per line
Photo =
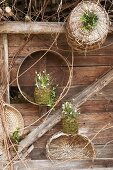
x=62 y=146
x=13 y=120
x=80 y=39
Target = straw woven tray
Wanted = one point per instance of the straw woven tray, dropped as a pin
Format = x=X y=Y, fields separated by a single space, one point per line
x=63 y=147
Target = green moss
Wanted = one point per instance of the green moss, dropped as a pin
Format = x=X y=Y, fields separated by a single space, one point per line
x=89 y=20
x=70 y=125
x=42 y=95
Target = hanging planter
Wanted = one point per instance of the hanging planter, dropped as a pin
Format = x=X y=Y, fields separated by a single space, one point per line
x=44 y=94
x=69 y=119
x=87 y=26
x=69 y=144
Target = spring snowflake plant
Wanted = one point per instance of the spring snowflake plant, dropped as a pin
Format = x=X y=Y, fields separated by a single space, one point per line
x=89 y=20
x=67 y=109
x=43 y=81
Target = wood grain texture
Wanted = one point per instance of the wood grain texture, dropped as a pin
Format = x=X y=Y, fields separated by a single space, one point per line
x=81 y=75
x=97 y=164
x=56 y=117
x=89 y=124
x=91 y=65
x=48 y=165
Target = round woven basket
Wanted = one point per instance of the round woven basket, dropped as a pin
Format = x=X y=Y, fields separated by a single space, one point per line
x=33 y=63
x=62 y=146
x=80 y=39
x=13 y=120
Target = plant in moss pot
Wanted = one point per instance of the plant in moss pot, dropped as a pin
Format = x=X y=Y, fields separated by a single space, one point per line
x=70 y=118
x=44 y=93
x=89 y=20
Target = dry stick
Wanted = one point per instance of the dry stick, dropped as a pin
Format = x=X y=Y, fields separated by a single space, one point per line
x=10 y=13
x=56 y=117
x=2 y=15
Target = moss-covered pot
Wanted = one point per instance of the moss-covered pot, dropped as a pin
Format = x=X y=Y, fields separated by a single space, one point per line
x=70 y=124
x=42 y=96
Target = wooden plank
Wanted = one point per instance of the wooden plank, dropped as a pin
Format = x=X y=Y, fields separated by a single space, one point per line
x=105 y=94
x=44 y=41
x=97 y=164
x=33 y=27
x=54 y=119
x=79 y=60
x=102 y=151
x=81 y=75
x=66 y=165
x=36 y=40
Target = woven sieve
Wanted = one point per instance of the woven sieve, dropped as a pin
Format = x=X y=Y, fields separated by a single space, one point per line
x=13 y=120
x=81 y=40
x=62 y=146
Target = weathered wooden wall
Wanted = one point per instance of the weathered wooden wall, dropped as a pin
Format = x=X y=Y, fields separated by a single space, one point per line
x=95 y=113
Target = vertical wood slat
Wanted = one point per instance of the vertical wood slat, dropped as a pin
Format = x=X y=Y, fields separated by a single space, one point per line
x=6 y=74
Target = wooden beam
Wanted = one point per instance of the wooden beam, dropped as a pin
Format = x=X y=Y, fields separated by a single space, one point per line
x=31 y=27
x=6 y=74
x=78 y=100
x=15 y=27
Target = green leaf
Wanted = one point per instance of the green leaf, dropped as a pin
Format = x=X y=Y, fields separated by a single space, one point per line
x=16 y=136
x=89 y=20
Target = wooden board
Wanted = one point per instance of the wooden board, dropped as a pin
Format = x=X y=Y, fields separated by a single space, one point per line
x=98 y=164
x=48 y=165
x=95 y=113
